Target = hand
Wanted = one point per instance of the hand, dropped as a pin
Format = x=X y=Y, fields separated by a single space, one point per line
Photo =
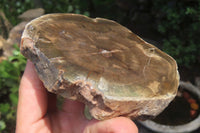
x=37 y=112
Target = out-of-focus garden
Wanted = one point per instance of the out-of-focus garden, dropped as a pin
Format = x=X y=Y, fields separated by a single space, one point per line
x=171 y=25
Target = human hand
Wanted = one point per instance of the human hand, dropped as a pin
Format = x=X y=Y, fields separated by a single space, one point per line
x=37 y=112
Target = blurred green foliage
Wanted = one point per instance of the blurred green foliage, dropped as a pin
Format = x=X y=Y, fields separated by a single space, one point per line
x=10 y=73
x=65 y=6
x=13 y=8
x=179 y=23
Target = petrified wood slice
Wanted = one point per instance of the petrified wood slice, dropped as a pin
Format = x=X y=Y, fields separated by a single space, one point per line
x=100 y=63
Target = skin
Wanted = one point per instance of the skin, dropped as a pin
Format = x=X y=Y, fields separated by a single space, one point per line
x=37 y=112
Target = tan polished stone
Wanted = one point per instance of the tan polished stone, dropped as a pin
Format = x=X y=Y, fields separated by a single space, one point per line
x=102 y=64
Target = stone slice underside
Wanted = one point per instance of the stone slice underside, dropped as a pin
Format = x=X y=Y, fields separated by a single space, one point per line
x=100 y=63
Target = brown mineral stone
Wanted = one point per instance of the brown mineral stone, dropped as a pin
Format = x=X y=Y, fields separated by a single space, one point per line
x=31 y=14
x=16 y=33
x=100 y=63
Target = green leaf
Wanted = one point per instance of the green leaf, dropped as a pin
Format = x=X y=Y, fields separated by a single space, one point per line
x=190 y=10
x=14 y=89
x=11 y=82
x=16 y=52
x=4 y=107
x=14 y=98
x=2 y=125
x=70 y=8
x=86 y=13
x=161 y=29
x=77 y=11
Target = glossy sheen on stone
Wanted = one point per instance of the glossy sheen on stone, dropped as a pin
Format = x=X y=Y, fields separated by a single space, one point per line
x=100 y=63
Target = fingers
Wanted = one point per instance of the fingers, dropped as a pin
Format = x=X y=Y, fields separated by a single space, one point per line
x=32 y=104
x=115 y=125
x=73 y=107
x=72 y=116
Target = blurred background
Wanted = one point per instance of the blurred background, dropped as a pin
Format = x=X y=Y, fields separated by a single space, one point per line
x=171 y=25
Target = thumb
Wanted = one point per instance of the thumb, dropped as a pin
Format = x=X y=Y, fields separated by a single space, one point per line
x=32 y=104
x=114 y=125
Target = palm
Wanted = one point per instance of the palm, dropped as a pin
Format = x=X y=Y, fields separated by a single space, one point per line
x=69 y=119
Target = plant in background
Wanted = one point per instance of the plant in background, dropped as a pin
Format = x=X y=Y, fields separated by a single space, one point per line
x=65 y=6
x=13 y=8
x=10 y=73
x=179 y=23
x=93 y=8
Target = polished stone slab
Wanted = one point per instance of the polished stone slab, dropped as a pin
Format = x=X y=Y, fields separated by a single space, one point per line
x=100 y=63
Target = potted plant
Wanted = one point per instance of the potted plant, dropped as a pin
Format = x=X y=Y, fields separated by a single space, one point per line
x=182 y=114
